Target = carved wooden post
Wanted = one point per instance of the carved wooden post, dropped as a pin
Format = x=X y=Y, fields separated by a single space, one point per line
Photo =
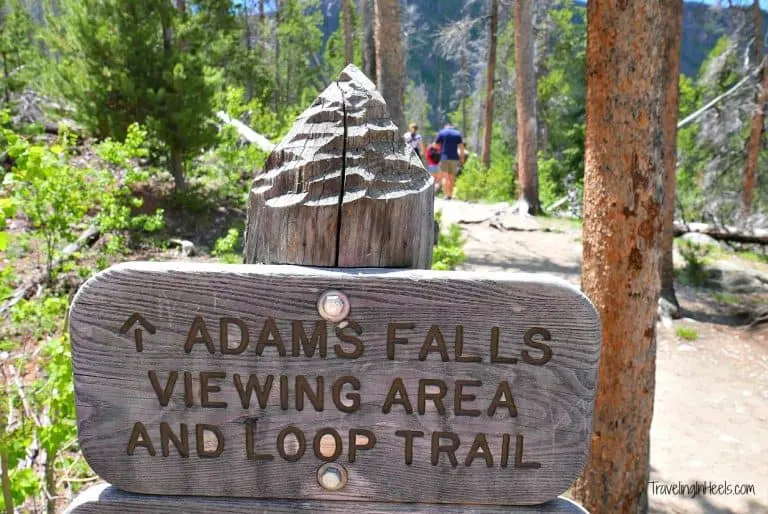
x=335 y=390
x=340 y=189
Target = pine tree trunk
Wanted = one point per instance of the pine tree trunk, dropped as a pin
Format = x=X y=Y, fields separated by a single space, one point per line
x=6 y=481
x=525 y=81
x=629 y=60
x=390 y=72
x=464 y=92
x=346 y=13
x=177 y=169
x=368 y=39
x=7 y=78
x=490 y=84
x=670 y=111
x=249 y=79
x=754 y=145
x=181 y=5
x=50 y=484
x=262 y=17
x=276 y=94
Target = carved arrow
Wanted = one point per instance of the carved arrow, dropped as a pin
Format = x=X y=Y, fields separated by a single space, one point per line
x=137 y=334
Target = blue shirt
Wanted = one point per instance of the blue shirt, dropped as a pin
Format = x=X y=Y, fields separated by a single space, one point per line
x=450 y=139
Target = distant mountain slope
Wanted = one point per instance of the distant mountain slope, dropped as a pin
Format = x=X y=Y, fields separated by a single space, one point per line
x=703 y=25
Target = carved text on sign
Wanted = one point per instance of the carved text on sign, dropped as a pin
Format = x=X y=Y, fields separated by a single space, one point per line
x=457 y=398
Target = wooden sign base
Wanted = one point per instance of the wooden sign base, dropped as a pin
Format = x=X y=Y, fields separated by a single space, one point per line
x=107 y=499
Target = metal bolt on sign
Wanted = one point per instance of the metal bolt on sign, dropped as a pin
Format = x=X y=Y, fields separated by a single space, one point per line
x=333 y=306
x=332 y=476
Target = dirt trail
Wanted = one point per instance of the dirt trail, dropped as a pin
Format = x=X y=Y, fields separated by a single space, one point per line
x=710 y=419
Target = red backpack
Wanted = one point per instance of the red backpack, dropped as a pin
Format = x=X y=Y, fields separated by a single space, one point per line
x=433 y=154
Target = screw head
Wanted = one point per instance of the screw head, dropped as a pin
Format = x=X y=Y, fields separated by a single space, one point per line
x=332 y=476
x=333 y=306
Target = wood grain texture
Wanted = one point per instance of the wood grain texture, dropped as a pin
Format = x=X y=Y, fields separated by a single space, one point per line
x=553 y=401
x=340 y=189
x=105 y=499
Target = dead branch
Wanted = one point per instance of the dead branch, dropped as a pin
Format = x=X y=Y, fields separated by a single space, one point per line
x=729 y=234
x=694 y=116
x=87 y=238
x=246 y=132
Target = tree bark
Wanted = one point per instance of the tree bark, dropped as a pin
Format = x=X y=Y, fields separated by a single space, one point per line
x=7 y=78
x=276 y=95
x=670 y=111
x=346 y=14
x=754 y=145
x=464 y=92
x=628 y=45
x=50 y=484
x=6 y=482
x=525 y=81
x=368 y=39
x=490 y=84
x=249 y=81
x=390 y=71
x=177 y=169
x=181 y=5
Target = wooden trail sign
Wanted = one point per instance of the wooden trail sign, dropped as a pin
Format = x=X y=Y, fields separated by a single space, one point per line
x=218 y=380
x=277 y=387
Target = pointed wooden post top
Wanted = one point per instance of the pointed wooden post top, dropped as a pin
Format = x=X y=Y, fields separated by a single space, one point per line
x=342 y=189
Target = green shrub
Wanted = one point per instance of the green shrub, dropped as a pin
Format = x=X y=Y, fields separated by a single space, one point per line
x=223 y=176
x=475 y=183
x=695 y=257
x=52 y=195
x=449 y=251
x=228 y=249
x=686 y=333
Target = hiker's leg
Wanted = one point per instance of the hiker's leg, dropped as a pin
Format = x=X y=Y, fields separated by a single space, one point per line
x=450 y=181
x=435 y=172
x=449 y=174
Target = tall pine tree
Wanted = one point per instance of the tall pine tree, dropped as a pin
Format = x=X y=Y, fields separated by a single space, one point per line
x=17 y=49
x=126 y=61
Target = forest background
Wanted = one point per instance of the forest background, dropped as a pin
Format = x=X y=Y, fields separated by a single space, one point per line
x=117 y=142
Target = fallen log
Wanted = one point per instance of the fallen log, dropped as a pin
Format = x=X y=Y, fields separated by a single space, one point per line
x=56 y=128
x=247 y=132
x=562 y=201
x=730 y=234
x=87 y=238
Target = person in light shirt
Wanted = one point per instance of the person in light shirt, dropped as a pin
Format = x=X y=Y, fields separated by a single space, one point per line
x=414 y=140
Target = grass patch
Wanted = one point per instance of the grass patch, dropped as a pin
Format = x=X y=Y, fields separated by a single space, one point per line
x=726 y=298
x=556 y=222
x=751 y=255
x=687 y=333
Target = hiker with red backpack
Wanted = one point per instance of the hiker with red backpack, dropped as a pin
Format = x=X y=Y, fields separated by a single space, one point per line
x=433 y=163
